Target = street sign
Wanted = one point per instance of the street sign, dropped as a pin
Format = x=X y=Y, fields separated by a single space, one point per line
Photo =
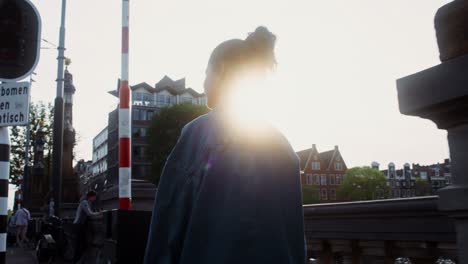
x=14 y=104
x=20 y=39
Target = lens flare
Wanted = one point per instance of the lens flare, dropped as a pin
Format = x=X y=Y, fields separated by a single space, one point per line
x=250 y=106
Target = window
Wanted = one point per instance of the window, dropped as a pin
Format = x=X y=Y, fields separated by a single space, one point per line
x=339 y=179
x=338 y=166
x=149 y=115
x=332 y=194
x=309 y=179
x=138 y=132
x=143 y=132
x=136 y=114
x=162 y=99
x=139 y=152
x=185 y=99
x=135 y=132
x=324 y=194
x=332 y=179
x=437 y=173
x=316 y=179
x=397 y=183
x=316 y=165
x=323 y=179
x=423 y=175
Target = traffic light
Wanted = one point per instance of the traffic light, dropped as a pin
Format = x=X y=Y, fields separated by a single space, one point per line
x=20 y=30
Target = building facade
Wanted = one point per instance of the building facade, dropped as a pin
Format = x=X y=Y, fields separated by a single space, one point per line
x=325 y=170
x=147 y=101
x=402 y=182
x=438 y=175
x=96 y=179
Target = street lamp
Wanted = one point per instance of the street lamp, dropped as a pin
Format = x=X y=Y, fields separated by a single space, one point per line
x=58 y=121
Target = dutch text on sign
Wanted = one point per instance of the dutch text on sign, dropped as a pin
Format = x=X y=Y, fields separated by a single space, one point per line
x=14 y=103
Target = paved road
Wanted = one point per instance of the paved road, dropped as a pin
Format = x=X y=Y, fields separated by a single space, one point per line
x=17 y=255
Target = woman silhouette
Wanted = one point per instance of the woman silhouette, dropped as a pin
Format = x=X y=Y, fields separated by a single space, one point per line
x=229 y=194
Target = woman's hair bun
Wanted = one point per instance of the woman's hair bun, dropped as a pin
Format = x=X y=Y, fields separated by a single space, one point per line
x=261 y=42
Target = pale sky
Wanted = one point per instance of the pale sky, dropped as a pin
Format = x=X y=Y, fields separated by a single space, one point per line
x=337 y=65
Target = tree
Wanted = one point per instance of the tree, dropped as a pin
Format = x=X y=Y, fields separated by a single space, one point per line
x=363 y=183
x=39 y=114
x=310 y=194
x=164 y=131
x=423 y=187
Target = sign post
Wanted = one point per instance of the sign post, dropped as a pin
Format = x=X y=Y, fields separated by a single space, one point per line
x=20 y=31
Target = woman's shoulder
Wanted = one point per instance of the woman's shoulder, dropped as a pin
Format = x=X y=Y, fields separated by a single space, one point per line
x=198 y=123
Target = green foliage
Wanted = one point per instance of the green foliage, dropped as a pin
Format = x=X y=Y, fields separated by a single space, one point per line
x=363 y=183
x=310 y=194
x=38 y=112
x=423 y=187
x=165 y=130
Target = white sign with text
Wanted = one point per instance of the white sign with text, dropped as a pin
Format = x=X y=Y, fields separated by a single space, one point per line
x=14 y=103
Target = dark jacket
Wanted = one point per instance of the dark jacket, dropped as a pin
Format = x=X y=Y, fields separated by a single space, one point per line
x=227 y=195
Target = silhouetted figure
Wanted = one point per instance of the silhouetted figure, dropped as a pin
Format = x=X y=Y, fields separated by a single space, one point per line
x=80 y=224
x=228 y=193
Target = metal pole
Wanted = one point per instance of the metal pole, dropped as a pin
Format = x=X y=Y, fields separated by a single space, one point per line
x=58 y=120
x=125 y=122
x=24 y=181
x=4 y=181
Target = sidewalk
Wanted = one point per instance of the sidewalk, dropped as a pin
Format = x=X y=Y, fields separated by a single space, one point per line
x=16 y=255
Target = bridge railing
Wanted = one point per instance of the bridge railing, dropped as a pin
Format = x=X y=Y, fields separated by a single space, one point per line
x=409 y=230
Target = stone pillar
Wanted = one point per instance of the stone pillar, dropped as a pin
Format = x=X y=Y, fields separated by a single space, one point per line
x=440 y=94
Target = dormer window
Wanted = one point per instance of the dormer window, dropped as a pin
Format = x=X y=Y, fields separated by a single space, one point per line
x=316 y=165
x=338 y=166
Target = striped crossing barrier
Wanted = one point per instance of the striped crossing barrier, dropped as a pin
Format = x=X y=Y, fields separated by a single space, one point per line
x=125 y=107
x=4 y=176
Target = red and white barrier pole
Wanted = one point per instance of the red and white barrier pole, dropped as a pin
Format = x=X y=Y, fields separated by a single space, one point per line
x=20 y=191
x=125 y=122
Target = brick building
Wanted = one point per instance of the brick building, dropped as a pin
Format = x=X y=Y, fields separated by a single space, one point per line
x=325 y=170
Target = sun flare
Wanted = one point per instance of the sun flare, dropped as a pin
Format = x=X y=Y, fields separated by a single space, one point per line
x=252 y=102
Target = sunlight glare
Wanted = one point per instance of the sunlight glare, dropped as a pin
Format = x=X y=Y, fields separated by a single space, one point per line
x=251 y=104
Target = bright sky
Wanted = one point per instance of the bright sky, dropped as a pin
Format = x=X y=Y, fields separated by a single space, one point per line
x=335 y=81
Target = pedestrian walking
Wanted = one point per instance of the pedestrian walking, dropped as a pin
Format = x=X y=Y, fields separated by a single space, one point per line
x=21 y=219
x=80 y=224
x=230 y=193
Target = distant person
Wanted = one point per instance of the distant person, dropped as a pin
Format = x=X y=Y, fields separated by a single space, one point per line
x=83 y=213
x=21 y=218
x=228 y=194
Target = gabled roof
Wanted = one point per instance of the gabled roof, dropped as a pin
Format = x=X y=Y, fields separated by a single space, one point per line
x=143 y=85
x=178 y=85
x=166 y=83
x=326 y=157
x=304 y=157
x=193 y=92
